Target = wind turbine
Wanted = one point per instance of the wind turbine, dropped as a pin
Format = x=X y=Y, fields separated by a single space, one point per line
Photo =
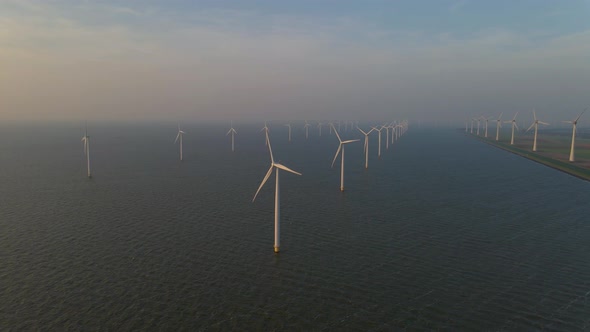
x=341 y=147
x=265 y=129
x=86 y=140
x=233 y=132
x=289 y=125
x=478 y=119
x=306 y=126
x=574 y=123
x=498 y=126
x=386 y=126
x=513 y=121
x=379 y=150
x=320 y=127
x=472 y=126
x=274 y=166
x=486 y=132
x=535 y=124
x=179 y=135
x=366 y=148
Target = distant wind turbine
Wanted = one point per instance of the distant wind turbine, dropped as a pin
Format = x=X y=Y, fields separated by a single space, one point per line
x=320 y=127
x=274 y=166
x=306 y=126
x=478 y=121
x=486 y=131
x=366 y=148
x=535 y=124
x=289 y=125
x=232 y=131
x=341 y=148
x=86 y=140
x=179 y=136
x=498 y=126
x=265 y=129
x=574 y=124
x=379 y=148
x=514 y=125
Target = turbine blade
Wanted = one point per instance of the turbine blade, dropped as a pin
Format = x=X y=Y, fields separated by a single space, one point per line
x=229 y=131
x=336 y=131
x=500 y=117
x=544 y=123
x=584 y=111
x=272 y=160
x=361 y=130
x=285 y=168
x=516 y=125
x=514 y=118
x=350 y=141
x=263 y=181
x=177 y=136
x=337 y=152
x=530 y=127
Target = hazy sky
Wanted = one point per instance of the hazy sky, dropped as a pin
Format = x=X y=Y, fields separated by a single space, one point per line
x=301 y=59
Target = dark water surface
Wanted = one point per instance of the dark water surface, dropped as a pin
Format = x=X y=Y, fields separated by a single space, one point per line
x=444 y=232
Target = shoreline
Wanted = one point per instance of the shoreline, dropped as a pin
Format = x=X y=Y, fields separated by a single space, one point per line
x=566 y=167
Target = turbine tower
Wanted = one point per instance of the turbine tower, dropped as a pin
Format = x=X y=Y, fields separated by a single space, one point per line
x=232 y=131
x=498 y=126
x=341 y=148
x=514 y=125
x=320 y=127
x=535 y=124
x=366 y=148
x=289 y=125
x=574 y=124
x=86 y=140
x=486 y=132
x=274 y=166
x=179 y=136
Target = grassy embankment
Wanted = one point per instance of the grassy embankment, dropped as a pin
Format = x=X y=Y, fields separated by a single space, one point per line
x=553 y=148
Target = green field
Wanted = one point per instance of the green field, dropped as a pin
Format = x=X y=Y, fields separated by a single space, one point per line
x=553 y=151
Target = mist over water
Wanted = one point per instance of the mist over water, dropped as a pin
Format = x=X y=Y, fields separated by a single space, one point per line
x=443 y=232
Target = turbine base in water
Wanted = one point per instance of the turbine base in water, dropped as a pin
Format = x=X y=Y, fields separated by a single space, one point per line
x=276 y=250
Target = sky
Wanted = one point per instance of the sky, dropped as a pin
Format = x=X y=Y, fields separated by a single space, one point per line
x=369 y=60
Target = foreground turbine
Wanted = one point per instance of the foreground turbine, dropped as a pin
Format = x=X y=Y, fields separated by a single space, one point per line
x=86 y=140
x=179 y=136
x=574 y=123
x=535 y=124
x=341 y=148
x=274 y=166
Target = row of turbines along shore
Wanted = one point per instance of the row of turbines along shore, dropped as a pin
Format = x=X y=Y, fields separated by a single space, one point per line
x=536 y=122
x=394 y=131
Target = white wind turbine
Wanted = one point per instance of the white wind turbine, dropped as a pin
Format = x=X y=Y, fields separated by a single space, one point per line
x=232 y=131
x=179 y=136
x=379 y=149
x=341 y=148
x=274 y=166
x=86 y=140
x=574 y=124
x=386 y=126
x=498 y=126
x=320 y=127
x=306 y=126
x=486 y=131
x=265 y=129
x=330 y=125
x=514 y=125
x=471 y=126
x=366 y=148
x=478 y=120
x=535 y=124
